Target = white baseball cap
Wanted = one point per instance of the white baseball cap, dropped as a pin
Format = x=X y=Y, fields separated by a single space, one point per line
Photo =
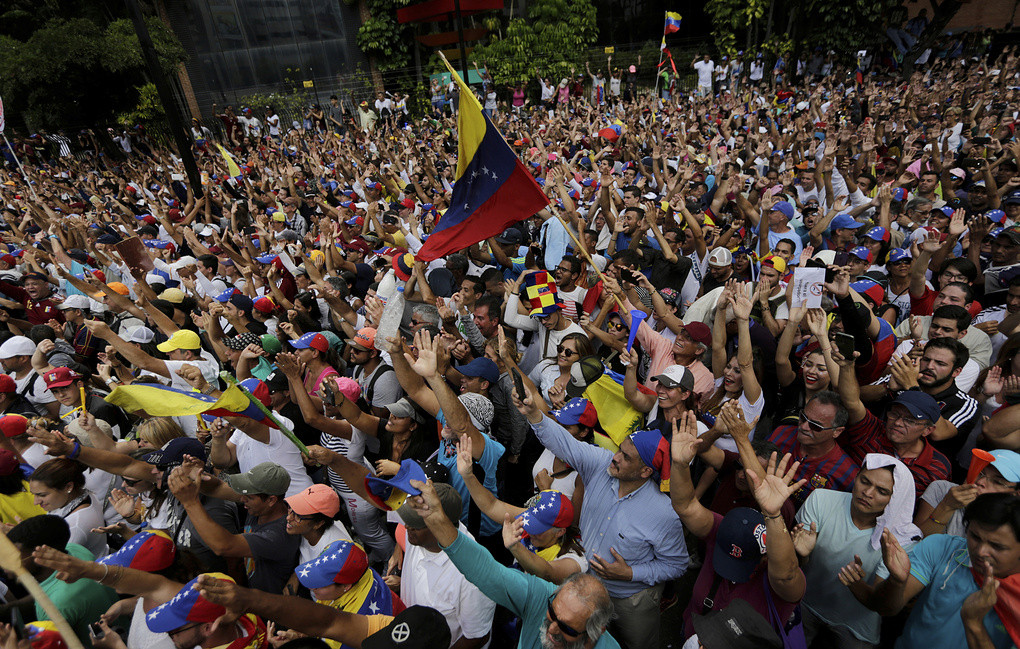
x=140 y=334
x=74 y=302
x=720 y=257
x=17 y=346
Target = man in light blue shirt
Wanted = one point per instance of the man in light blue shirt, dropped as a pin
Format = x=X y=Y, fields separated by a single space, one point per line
x=633 y=540
x=952 y=610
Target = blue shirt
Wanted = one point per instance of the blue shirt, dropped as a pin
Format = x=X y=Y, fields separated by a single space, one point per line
x=941 y=562
x=623 y=242
x=642 y=526
x=490 y=458
x=527 y=596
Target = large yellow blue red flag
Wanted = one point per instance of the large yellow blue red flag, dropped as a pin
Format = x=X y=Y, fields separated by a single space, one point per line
x=672 y=22
x=163 y=401
x=492 y=188
x=233 y=169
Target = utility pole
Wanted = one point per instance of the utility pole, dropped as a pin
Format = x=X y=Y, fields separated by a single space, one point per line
x=173 y=116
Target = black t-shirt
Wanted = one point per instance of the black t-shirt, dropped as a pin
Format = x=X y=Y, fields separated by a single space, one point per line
x=274 y=554
x=420 y=448
x=111 y=414
x=666 y=274
x=365 y=277
x=308 y=435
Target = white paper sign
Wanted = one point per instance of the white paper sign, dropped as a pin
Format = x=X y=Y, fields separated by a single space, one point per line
x=807 y=287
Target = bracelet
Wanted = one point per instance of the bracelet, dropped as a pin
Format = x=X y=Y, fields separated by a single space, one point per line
x=937 y=521
x=106 y=573
x=75 y=451
x=771 y=518
x=208 y=389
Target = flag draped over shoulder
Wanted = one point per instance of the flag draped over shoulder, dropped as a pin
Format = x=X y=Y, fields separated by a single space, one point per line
x=492 y=189
x=672 y=22
x=163 y=401
x=616 y=414
x=369 y=596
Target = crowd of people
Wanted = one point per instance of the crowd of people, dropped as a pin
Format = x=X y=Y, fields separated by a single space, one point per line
x=618 y=406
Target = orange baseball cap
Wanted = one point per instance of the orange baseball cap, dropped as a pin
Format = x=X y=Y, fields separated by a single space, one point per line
x=317 y=499
x=119 y=289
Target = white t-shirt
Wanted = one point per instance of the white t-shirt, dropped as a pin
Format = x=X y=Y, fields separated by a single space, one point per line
x=251 y=453
x=206 y=364
x=333 y=533
x=82 y=522
x=564 y=485
x=751 y=412
x=38 y=393
x=967 y=376
x=704 y=70
x=141 y=637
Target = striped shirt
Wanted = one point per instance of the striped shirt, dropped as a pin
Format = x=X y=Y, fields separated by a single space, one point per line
x=835 y=470
x=868 y=436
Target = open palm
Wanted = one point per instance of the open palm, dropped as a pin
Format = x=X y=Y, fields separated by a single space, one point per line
x=685 y=444
x=775 y=488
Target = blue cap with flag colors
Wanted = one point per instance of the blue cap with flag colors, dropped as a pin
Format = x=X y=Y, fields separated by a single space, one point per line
x=552 y=509
x=897 y=255
x=342 y=562
x=577 y=411
x=870 y=289
x=267 y=259
x=150 y=550
x=186 y=606
x=653 y=449
x=390 y=494
x=877 y=233
x=226 y=295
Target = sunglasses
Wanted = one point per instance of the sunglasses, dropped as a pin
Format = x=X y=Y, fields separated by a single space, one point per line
x=814 y=425
x=619 y=326
x=560 y=349
x=129 y=482
x=566 y=630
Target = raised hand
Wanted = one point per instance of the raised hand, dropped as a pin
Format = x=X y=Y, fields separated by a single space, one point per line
x=465 y=459
x=804 y=538
x=852 y=573
x=980 y=603
x=895 y=557
x=513 y=531
x=685 y=444
x=993 y=382
x=777 y=486
x=426 y=364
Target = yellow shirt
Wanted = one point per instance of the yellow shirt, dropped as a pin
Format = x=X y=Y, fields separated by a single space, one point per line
x=18 y=507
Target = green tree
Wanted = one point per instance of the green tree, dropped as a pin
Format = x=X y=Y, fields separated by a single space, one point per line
x=382 y=38
x=556 y=34
x=78 y=68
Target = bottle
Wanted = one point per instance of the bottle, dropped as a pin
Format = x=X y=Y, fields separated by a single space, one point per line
x=387 y=286
x=393 y=315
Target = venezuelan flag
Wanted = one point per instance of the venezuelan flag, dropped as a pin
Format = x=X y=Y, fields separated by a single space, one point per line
x=493 y=190
x=616 y=414
x=163 y=401
x=672 y=22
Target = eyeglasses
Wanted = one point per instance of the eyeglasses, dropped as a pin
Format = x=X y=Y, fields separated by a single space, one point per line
x=996 y=479
x=566 y=630
x=292 y=514
x=905 y=416
x=814 y=425
x=183 y=629
x=561 y=269
x=560 y=349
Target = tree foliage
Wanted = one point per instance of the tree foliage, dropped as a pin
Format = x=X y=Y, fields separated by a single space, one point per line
x=555 y=35
x=840 y=25
x=74 y=66
x=381 y=37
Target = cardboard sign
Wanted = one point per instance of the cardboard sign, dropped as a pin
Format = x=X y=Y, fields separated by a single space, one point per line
x=135 y=254
x=807 y=287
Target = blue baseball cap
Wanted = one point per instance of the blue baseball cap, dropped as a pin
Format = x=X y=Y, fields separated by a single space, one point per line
x=922 y=406
x=552 y=509
x=1012 y=198
x=577 y=411
x=313 y=340
x=785 y=208
x=390 y=494
x=267 y=259
x=996 y=216
x=225 y=296
x=945 y=210
x=482 y=368
x=899 y=254
x=877 y=233
x=187 y=605
x=342 y=562
x=863 y=253
x=1007 y=463
x=844 y=221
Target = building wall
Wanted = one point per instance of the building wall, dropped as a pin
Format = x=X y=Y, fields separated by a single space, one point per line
x=241 y=47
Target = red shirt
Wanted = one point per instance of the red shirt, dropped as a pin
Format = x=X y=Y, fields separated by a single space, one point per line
x=751 y=591
x=36 y=312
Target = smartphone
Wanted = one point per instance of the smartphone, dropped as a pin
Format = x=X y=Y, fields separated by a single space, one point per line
x=18 y=624
x=844 y=343
x=249 y=230
x=519 y=384
x=96 y=631
x=328 y=396
x=841 y=259
x=628 y=275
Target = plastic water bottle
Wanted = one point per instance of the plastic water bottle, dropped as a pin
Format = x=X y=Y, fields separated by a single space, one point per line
x=387 y=287
x=393 y=315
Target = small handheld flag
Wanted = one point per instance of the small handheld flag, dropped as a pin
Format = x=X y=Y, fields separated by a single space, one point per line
x=672 y=22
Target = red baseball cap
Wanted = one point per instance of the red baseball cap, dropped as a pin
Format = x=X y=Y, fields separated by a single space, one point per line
x=60 y=377
x=7 y=384
x=13 y=425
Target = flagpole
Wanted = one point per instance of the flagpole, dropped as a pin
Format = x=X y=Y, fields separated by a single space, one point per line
x=23 y=174
x=584 y=252
x=665 y=17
